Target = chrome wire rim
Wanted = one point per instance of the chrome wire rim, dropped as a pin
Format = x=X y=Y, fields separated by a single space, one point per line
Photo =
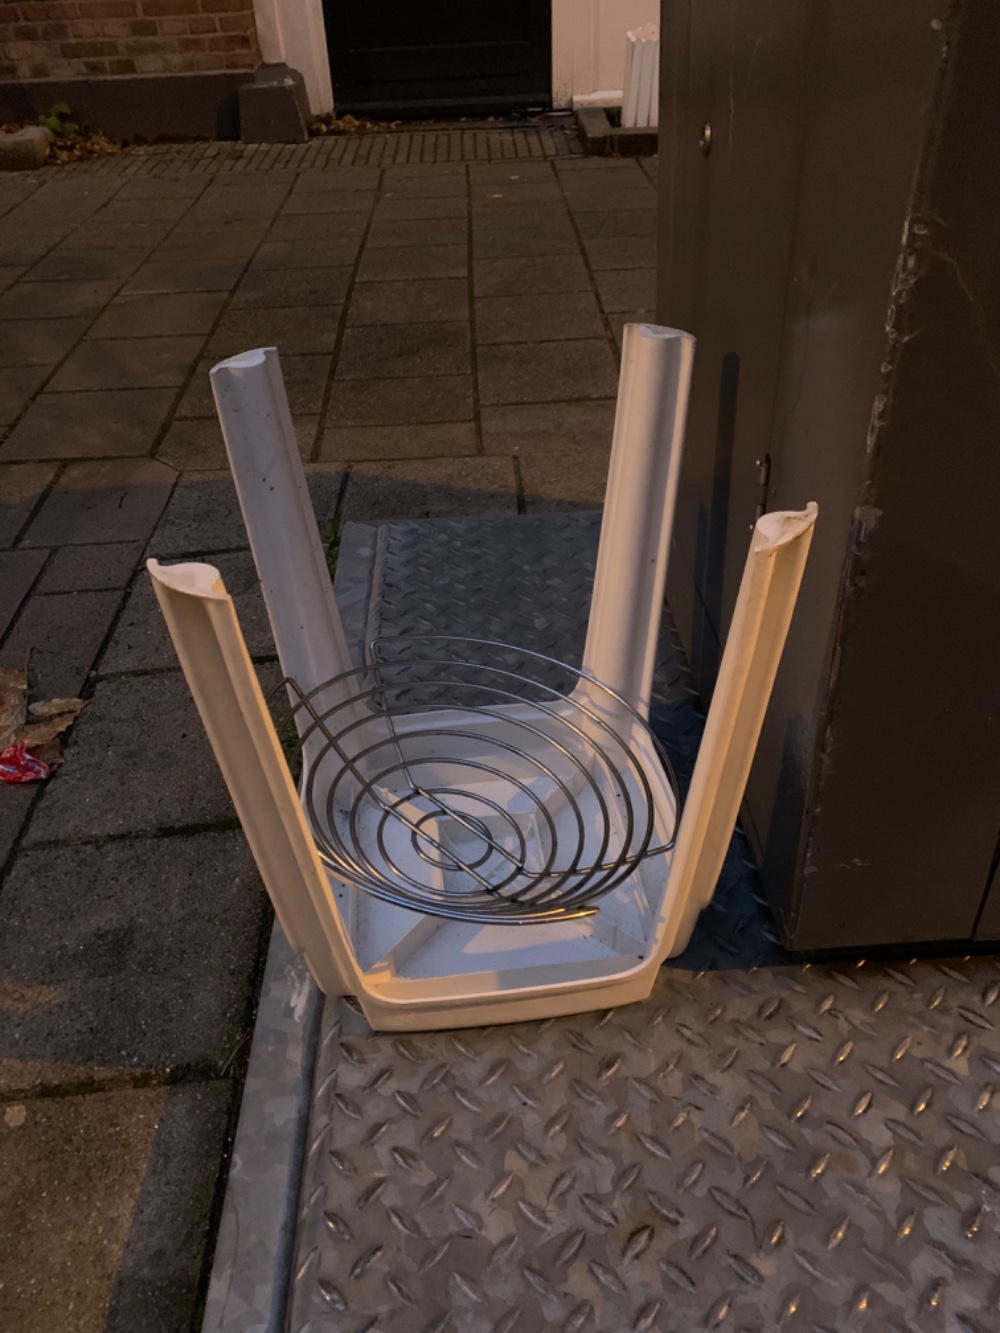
x=363 y=760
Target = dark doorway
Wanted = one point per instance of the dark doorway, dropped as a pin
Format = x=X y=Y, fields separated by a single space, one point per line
x=398 y=58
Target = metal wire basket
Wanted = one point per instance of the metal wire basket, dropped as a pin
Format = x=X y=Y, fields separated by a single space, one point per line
x=477 y=781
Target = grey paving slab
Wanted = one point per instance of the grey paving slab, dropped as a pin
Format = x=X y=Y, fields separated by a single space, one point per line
x=601 y=201
x=204 y=514
x=387 y=442
x=497 y=173
x=9 y=273
x=613 y=252
x=431 y=488
x=159 y=1279
x=193 y=445
x=402 y=262
x=328 y=201
x=163 y=187
x=98 y=234
x=26 y=249
x=14 y=811
x=306 y=431
x=499 y=242
x=318 y=228
x=101 y=423
x=87 y=1178
x=38 y=342
x=336 y=252
x=128 y=363
x=138 y=761
x=22 y=485
x=420 y=301
x=544 y=219
x=553 y=317
x=18 y=571
x=387 y=232
x=141 y=642
x=149 y=968
x=544 y=372
x=347 y=178
x=81 y=265
x=162 y=207
x=601 y=173
x=533 y=428
x=402 y=401
x=17 y=386
x=43 y=300
x=296 y=329
x=292 y=287
x=391 y=208
x=628 y=289
x=385 y=351
x=117 y=500
x=406 y=182
x=15 y=189
x=59 y=635
x=233 y=209
x=166 y=274
x=85 y=568
x=167 y=315
x=73 y=1169
x=618 y=223
x=530 y=275
x=224 y=243
x=564 y=477
x=498 y=194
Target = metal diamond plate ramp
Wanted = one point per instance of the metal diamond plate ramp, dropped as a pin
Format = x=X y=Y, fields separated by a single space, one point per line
x=761 y=1146
x=805 y=1149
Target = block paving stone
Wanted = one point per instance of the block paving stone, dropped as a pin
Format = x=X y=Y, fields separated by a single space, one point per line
x=448 y=333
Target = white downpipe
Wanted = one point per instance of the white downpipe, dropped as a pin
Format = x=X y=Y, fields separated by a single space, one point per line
x=639 y=510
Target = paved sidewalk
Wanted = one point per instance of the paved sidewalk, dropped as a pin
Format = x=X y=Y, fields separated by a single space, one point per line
x=449 y=338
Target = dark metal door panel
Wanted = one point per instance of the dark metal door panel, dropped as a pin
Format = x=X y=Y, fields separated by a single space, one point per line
x=726 y=228
x=394 y=57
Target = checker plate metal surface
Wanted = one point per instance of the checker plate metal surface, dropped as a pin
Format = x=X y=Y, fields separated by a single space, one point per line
x=754 y=1149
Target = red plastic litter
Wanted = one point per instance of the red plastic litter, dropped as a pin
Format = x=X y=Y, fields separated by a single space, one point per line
x=17 y=765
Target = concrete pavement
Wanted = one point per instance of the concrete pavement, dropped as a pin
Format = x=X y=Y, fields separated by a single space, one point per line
x=449 y=334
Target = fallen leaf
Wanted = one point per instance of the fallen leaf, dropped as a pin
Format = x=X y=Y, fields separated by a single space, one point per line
x=52 y=707
x=13 y=698
x=39 y=733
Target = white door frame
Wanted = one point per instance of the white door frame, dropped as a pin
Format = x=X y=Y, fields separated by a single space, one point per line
x=588 y=48
x=293 y=32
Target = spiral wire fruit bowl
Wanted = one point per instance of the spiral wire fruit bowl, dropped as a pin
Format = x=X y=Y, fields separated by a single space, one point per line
x=476 y=781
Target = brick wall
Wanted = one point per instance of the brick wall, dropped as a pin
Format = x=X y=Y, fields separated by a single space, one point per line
x=66 y=39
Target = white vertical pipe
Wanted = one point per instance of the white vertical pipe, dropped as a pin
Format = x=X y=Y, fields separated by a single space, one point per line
x=639 y=510
x=271 y=484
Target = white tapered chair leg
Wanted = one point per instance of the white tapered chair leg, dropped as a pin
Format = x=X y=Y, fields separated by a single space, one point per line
x=753 y=650
x=271 y=484
x=206 y=634
x=631 y=573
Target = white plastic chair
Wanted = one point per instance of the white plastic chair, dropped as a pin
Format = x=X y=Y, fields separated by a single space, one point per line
x=410 y=970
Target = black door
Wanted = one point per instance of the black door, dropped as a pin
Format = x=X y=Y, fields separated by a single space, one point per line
x=399 y=58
